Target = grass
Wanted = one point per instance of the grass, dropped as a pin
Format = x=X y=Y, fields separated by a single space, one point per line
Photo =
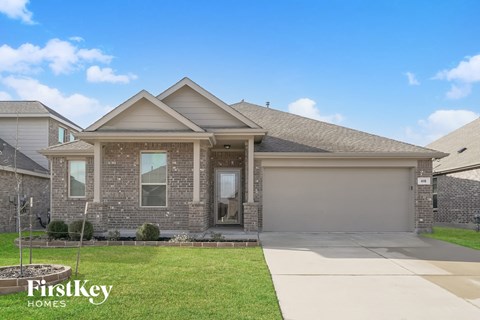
x=154 y=283
x=463 y=237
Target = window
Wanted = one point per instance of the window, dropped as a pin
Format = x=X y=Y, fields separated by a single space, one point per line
x=434 y=191
x=77 y=177
x=153 y=177
x=62 y=134
x=72 y=137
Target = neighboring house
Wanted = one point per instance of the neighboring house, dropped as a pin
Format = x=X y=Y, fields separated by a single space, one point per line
x=185 y=160
x=456 y=182
x=28 y=126
x=34 y=182
x=38 y=127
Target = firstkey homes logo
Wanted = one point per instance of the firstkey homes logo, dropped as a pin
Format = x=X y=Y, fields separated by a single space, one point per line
x=96 y=294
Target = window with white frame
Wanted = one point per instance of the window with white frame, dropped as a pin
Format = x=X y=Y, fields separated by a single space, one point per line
x=71 y=137
x=77 y=178
x=153 y=179
x=62 y=134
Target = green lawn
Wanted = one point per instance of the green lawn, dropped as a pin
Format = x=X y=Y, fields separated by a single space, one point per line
x=463 y=237
x=154 y=283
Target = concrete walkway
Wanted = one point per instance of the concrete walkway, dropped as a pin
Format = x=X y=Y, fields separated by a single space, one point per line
x=372 y=276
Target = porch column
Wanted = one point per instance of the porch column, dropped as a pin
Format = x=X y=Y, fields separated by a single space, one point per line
x=97 y=160
x=250 y=170
x=196 y=171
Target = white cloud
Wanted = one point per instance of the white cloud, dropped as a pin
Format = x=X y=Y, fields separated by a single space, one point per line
x=412 y=80
x=306 y=107
x=466 y=73
x=458 y=91
x=71 y=106
x=438 y=124
x=5 y=96
x=62 y=57
x=16 y=9
x=76 y=39
x=97 y=74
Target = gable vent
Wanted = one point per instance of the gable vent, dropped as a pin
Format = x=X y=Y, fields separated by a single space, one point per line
x=462 y=150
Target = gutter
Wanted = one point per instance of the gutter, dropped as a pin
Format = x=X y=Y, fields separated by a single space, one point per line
x=26 y=172
x=341 y=155
x=471 y=167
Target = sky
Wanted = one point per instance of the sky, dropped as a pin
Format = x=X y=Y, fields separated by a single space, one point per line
x=407 y=70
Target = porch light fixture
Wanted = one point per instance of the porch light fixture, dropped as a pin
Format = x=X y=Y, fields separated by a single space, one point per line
x=226 y=146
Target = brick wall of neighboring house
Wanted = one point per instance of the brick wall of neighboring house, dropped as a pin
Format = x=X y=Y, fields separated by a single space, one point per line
x=53 y=126
x=225 y=159
x=458 y=197
x=31 y=186
x=423 y=198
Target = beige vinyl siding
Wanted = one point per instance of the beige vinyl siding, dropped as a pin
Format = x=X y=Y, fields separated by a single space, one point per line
x=338 y=199
x=32 y=136
x=200 y=110
x=144 y=115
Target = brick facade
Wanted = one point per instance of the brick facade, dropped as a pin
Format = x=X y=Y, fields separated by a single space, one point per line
x=63 y=207
x=120 y=189
x=53 y=126
x=423 y=198
x=31 y=186
x=458 y=197
x=250 y=217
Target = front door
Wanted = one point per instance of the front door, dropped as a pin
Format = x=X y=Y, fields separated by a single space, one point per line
x=228 y=198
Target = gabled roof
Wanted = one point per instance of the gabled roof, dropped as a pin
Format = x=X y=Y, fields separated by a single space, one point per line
x=33 y=109
x=292 y=133
x=25 y=165
x=222 y=105
x=463 y=145
x=130 y=102
x=77 y=147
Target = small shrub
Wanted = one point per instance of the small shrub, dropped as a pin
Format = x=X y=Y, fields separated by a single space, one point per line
x=148 y=232
x=217 y=236
x=113 y=235
x=57 y=229
x=75 y=230
x=183 y=237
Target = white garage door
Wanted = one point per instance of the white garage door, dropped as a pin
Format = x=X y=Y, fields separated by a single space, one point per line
x=337 y=199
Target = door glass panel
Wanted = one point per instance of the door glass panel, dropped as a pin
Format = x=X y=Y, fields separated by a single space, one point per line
x=228 y=197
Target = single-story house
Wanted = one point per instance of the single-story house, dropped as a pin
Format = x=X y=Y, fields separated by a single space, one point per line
x=186 y=160
x=456 y=178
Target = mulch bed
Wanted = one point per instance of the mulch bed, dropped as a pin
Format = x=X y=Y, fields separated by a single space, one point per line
x=29 y=271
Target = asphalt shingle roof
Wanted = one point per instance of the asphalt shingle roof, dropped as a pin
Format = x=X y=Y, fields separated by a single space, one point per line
x=77 y=145
x=7 y=159
x=292 y=133
x=30 y=107
x=467 y=137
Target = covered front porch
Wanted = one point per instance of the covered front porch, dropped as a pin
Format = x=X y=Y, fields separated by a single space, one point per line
x=227 y=198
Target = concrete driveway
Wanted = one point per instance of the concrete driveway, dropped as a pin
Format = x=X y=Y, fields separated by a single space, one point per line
x=372 y=276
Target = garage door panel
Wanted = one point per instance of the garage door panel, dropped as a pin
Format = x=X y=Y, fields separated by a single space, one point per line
x=337 y=199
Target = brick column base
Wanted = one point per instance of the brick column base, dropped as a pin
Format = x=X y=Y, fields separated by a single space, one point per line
x=197 y=216
x=96 y=215
x=250 y=216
